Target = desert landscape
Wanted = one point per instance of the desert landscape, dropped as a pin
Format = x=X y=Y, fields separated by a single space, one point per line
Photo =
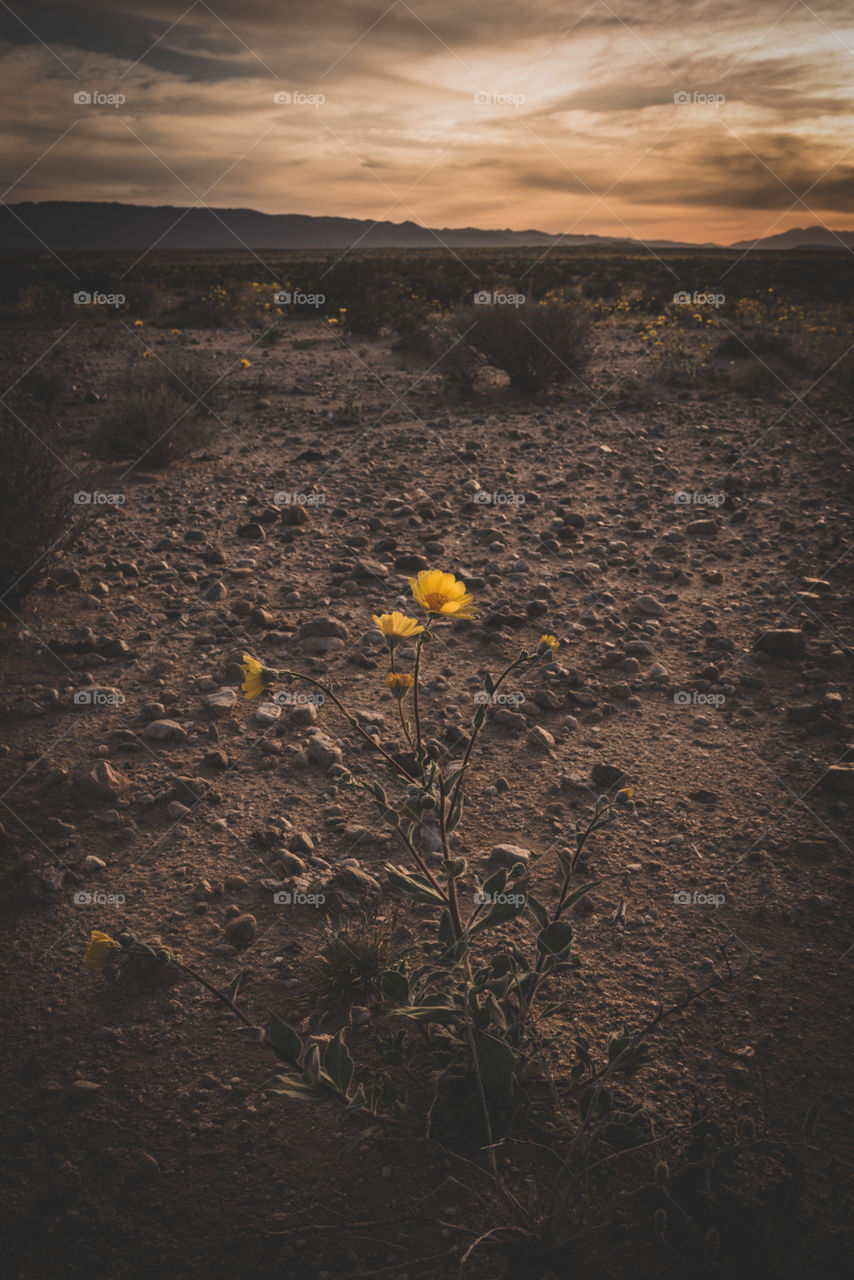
x=677 y=516
x=426 y=731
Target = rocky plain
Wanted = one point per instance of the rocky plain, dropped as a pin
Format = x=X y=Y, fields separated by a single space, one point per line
x=688 y=544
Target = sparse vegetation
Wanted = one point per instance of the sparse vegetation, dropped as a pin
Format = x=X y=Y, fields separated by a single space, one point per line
x=162 y=415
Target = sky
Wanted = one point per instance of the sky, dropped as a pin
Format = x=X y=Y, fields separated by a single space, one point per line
x=688 y=121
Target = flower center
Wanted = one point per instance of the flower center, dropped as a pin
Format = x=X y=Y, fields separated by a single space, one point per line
x=435 y=600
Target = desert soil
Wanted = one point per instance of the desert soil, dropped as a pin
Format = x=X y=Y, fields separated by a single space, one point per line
x=658 y=540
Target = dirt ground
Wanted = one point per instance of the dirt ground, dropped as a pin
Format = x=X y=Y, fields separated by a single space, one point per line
x=708 y=519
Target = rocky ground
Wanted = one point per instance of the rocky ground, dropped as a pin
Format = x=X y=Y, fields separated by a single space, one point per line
x=658 y=540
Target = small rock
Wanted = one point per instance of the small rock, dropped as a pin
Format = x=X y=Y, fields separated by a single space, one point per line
x=607 y=775
x=92 y=865
x=164 y=731
x=83 y=1091
x=99 y=781
x=221 y=701
x=788 y=643
x=540 y=739
x=650 y=606
x=507 y=855
x=241 y=930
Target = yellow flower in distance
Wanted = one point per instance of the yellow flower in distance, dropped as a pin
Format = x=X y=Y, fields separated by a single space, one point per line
x=396 y=626
x=400 y=682
x=246 y=364
x=138 y=324
x=550 y=643
x=98 y=950
x=439 y=592
x=253 y=677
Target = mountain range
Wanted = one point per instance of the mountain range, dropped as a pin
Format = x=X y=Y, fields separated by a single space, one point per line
x=92 y=226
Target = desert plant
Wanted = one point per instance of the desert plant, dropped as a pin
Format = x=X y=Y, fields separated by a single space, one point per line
x=538 y=345
x=38 y=514
x=162 y=415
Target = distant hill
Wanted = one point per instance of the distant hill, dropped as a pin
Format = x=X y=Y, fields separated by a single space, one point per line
x=801 y=238
x=90 y=226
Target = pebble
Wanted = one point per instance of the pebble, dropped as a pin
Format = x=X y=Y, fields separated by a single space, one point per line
x=788 y=643
x=507 y=855
x=164 y=731
x=540 y=739
x=650 y=606
x=92 y=865
x=241 y=930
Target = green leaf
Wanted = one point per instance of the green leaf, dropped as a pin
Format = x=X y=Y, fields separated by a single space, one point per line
x=501 y=912
x=495 y=883
x=338 y=1064
x=578 y=894
x=555 y=940
x=489 y=684
x=441 y=1009
x=256 y=1034
x=311 y=1066
x=284 y=1039
x=446 y=929
x=291 y=1087
x=415 y=885
x=538 y=911
x=479 y=716
x=395 y=985
x=455 y=814
x=231 y=989
x=497 y=1062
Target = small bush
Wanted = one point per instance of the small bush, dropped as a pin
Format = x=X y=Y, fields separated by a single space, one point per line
x=37 y=512
x=163 y=415
x=353 y=959
x=537 y=345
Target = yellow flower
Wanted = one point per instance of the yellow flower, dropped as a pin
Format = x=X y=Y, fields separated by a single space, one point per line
x=333 y=319
x=396 y=626
x=146 y=355
x=174 y=330
x=98 y=950
x=624 y=795
x=439 y=592
x=400 y=682
x=253 y=677
x=138 y=324
x=246 y=364
x=550 y=643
